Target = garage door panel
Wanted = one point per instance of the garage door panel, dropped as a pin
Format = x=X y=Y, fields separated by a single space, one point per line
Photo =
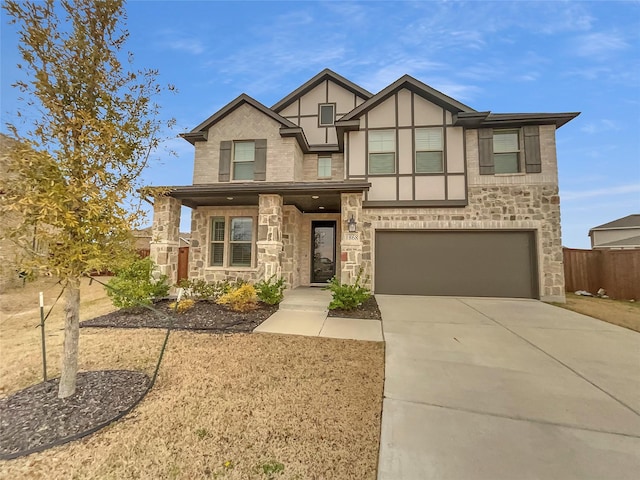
x=496 y=264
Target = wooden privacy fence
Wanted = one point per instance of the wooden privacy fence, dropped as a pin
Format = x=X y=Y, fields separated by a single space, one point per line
x=183 y=260
x=617 y=271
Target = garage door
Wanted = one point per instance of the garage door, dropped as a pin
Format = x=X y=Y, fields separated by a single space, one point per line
x=474 y=264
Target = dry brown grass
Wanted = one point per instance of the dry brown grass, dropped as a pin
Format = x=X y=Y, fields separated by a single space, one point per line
x=311 y=404
x=619 y=312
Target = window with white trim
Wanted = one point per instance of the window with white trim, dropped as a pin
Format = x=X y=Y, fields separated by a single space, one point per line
x=324 y=167
x=382 y=152
x=506 y=151
x=429 y=150
x=233 y=246
x=326 y=114
x=244 y=155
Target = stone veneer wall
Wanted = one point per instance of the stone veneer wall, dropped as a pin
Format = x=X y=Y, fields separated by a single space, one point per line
x=165 y=236
x=269 y=245
x=533 y=207
x=199 y=249
x=291 y=239
x=351 y=246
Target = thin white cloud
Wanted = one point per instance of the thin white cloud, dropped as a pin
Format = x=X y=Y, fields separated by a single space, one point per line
x=598 y=44
x=603 y=125
x=189 y=45
x=600 y=192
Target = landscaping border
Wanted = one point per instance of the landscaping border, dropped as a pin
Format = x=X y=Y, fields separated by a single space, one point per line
x=78 y=436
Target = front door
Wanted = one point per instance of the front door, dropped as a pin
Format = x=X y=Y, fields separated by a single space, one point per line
x=323 y=248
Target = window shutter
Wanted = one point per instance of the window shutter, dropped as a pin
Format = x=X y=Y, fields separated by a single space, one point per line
x=532 y=149
x=260 y=165
x=485 y=151
x=224 y=165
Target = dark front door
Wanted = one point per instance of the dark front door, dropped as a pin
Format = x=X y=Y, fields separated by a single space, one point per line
x=323 y=249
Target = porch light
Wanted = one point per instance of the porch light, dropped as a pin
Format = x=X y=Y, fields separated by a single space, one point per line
x=315 y=197
x=229 y=198
x=351 y=224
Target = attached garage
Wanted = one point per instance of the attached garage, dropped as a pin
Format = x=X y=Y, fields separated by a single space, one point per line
x=456 y=263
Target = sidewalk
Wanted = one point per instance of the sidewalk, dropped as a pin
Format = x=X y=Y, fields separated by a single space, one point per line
x=304 y=312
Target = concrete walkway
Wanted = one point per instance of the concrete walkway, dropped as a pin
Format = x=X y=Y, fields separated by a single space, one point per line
x=506 y=389
x=304 y=312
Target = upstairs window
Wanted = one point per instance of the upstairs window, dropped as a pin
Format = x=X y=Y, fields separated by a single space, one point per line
x=327 y=114
x=429 y=150
x=324 y=167
x=506 y=151
x=511 y=151
x=382 y=152
x=244 y=154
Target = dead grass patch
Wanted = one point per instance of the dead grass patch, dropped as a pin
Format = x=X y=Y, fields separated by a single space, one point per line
x=224 y=406
x=619 y=312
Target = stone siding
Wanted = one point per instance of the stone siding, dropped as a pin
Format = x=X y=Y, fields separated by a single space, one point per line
x=269 y=245
x=291 y=240
x=508 y=207
x=165 y=236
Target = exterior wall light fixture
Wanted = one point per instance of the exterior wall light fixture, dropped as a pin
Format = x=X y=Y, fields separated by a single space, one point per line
x=351 y=224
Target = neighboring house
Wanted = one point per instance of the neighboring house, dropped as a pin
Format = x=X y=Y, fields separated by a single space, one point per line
x=423 y=193
x=143 y=238
x=623 y=233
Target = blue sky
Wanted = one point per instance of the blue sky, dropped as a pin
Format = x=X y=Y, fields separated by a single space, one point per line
x=498 y=56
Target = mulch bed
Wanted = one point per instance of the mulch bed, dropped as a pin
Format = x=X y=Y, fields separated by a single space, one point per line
x=35 y=418
x=368 y=310
x=204 y=315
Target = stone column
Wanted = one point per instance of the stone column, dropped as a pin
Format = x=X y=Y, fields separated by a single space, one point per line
x=165 y=236
x=269 y=243
x=351 y=242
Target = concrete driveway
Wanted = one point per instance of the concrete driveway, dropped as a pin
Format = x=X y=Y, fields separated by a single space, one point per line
x=506 y=389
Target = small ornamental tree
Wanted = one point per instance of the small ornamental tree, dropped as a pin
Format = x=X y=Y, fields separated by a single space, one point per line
x=92 y=124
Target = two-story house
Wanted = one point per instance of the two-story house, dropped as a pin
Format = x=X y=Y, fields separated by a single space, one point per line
x=423 y=193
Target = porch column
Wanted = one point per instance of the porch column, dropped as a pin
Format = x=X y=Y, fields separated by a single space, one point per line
x=351 y=242
x=165 y=236
x=269 y=243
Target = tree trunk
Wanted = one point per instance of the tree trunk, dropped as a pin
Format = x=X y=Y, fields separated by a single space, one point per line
x=71 y=335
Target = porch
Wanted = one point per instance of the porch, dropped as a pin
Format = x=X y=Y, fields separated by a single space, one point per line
x=305 y=233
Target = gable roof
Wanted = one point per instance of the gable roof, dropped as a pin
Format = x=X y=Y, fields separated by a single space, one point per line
x=630 y=221
x=414 y=85
x=317 y=80
x=200 y=132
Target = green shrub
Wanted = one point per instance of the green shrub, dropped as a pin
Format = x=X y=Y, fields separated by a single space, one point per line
x=240 y=299
x=200 y=289
x=347 y=296
x=270 y=291
x=133 y=285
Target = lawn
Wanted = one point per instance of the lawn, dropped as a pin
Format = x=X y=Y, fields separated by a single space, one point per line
x=238 y=406
x=619 y=312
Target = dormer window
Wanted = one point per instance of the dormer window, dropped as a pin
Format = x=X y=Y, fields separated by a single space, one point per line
x=327 y=114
